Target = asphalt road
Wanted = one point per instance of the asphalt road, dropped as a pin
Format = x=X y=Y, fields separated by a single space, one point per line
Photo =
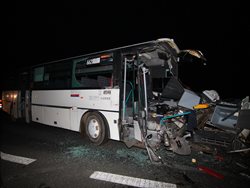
x=65 y=159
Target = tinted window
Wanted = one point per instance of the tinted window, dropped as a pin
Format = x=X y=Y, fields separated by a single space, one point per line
x=53 y=76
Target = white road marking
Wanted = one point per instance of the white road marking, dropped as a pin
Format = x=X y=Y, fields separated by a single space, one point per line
x=130 y=181
x=16 y=159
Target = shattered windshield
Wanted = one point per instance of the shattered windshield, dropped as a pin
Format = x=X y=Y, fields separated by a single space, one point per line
x=163 y=61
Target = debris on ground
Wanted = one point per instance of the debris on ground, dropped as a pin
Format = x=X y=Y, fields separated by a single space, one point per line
x=210 y=172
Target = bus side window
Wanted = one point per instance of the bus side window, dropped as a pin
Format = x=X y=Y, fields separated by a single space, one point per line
x=38 y=76
x=96 y=81
x=89 y=82
x=104 y=81
x=94 y=77
x=57 y=76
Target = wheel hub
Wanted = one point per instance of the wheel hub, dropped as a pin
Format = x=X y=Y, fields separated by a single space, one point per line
x=94 y=128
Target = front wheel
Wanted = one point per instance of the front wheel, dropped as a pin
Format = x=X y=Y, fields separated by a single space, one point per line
x=96 y=128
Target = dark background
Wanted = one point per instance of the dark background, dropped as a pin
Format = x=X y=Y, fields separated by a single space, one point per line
x=39 y=32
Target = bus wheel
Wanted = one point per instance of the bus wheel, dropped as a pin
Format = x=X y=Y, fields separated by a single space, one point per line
x=95 y=128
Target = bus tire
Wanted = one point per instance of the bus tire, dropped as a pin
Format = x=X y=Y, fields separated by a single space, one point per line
x=95 y=128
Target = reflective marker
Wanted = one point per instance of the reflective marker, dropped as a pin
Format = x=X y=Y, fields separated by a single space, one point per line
x=16 y=159
x=130 y=181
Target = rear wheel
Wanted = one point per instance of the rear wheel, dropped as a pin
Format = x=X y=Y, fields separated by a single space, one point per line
x=96 y=128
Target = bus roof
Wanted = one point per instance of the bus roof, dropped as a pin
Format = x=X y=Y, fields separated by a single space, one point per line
x=103 y=51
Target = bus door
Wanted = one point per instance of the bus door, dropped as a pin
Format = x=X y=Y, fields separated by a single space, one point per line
x=27 y=106
x=130 y=100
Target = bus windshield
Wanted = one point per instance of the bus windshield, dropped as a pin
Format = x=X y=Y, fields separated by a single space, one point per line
x=163 y=61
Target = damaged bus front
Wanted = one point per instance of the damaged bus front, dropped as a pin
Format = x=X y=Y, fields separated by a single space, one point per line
x=157 y=109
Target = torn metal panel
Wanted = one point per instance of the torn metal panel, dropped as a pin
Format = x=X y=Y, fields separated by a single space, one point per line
x=189 y=99
x=212 y=95
x=180 y=146
x=190 y=55
x=173 y=89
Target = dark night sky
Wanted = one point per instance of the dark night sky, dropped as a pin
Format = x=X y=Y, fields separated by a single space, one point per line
x=41 y=32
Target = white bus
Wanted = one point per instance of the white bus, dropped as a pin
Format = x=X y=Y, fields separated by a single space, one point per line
x=122 y=94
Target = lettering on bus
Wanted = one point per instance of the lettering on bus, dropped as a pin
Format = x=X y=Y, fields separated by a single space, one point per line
x=93 y=61
x=105 y=98
x=107 y=92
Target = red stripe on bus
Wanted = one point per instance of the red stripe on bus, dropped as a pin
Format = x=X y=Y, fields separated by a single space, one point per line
x=74 y=95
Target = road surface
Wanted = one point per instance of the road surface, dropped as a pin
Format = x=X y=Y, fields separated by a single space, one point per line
x=39 y=156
